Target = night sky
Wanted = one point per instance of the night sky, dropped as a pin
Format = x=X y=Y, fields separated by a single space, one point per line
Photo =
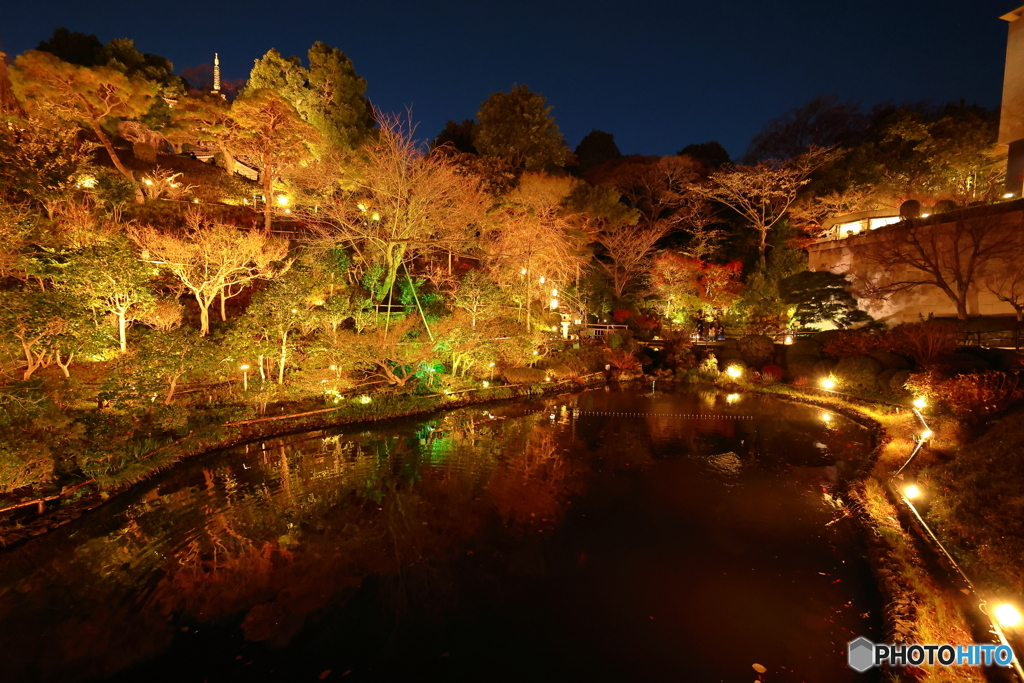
x=657 y=74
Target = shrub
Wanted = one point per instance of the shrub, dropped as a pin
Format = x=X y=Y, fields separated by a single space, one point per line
x=890 y=360
x=802 y=347
x=523 y=375
x=858 y=373
x=926 y=342
x=771 y=373
x=856 y=343
x=27 y=468
x=898 y=381
x=756 y=350
x=973 y=395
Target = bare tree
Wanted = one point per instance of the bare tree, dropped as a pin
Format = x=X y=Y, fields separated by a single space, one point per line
x=627 y=250
x=212 y=259
x=696 y=220
x=402 y=203
x=763 y=194
x=1005 y=279
x=950 y=255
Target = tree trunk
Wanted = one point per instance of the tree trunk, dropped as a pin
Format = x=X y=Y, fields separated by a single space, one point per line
x=229 y=159
x=223 y=310
x=122 y=326
x=284 y=356
x=268 y=195
x=204 y=317
x=140 y=198
x=961 y=307
x=170 y=390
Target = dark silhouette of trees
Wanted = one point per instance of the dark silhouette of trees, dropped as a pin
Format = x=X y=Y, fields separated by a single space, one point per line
x=457 y=135
x=711 y=155
x=518 y=127
x=823 y=122
x=596 y=148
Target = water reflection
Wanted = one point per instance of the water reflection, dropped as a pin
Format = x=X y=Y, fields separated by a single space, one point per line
x=369 y=550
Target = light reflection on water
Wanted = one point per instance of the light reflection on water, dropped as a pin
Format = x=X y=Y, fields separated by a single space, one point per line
x=486 y=543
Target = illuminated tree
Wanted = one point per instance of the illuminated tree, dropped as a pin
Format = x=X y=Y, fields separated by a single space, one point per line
x=89 y=97
x=402 y=203
x=212 y=259
x=763 y=194
x=269 y=131
x=822 y=297
x=39 y=160
x=42 y=327
x=110 y=279
x=518 y=127
x=284 y=307
x=206 y=119
x=330 y=96
x=686 y=284
x=390 y=355
x=626 y=251
x=531 y=249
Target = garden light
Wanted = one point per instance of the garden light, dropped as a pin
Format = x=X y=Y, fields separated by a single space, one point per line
x=828 y=383
x=920 y=403
x=282 y=200
x=542 y=279
x=926 y=434
x=1008 y=195
x=365 y=399
x=523 y=271
x=245 y=377
x=554 y=304
x=826 y=417
x=912 y=492
x=732 y=398
x=733 y=371
x=554 y=292
x=486 y=384
x=789 y=339
x=1007 y=616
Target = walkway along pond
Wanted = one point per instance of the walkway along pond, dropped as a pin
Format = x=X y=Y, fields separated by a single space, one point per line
x=596 y=536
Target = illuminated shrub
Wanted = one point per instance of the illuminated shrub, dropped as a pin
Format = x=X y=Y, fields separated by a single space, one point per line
x=858 y=373
x=926 y=342
x=973 y=395
x=756 y=350
x=523 y=375
x=770 y=374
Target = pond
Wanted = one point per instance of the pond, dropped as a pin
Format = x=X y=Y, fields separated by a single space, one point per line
x=614 y=534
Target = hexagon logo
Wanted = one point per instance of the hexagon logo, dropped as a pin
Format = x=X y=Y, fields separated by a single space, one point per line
x=860 y=654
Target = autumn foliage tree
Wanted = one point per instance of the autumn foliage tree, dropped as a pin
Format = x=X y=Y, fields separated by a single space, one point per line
x=687 y=284
x=268 y=130
x=762 y=194
x=213 y=259
x=90 y=97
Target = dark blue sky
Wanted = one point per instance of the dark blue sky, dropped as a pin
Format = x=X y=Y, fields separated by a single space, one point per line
x=658 y=74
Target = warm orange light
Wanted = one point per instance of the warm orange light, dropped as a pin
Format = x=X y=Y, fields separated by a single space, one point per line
x=1007 y=616
x=828 y=383
x=912 y=492
x=920 y=403
x=733 y=371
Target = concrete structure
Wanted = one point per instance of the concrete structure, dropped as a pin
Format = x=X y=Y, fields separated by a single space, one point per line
x=1011 y=112
x=859 y=255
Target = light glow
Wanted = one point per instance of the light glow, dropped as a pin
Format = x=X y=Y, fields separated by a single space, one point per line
x=1007 y=616
x=927 y=434
x=732 y=398
x=912 y=492
x=826 y=417
x=282 y=200
x=733 y=371
x=920 y=403
x=828 y=383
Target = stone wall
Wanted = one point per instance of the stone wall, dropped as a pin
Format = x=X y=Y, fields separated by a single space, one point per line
x=852 y=255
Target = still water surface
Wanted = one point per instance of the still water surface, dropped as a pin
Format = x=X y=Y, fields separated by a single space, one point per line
x=611 y=535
